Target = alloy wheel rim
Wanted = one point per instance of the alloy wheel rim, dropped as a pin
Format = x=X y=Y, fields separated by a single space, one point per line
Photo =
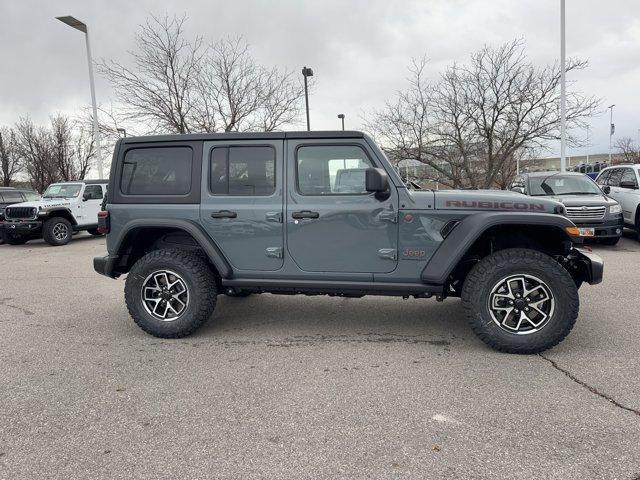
x=165 y=295
x=60 y=231
x=521 y=304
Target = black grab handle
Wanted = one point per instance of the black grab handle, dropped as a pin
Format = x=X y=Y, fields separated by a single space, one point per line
x=224 y=214
x=305 y=214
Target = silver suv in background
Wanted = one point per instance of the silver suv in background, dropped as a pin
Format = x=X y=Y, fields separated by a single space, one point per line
x=597 y=216
x=621 y=183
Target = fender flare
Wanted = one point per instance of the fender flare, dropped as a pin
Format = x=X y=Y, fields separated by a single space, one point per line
x=462 y=237
x=208 y=245
x=45 y=214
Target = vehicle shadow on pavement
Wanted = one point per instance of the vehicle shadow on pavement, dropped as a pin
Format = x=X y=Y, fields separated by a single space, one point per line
x=310 y=320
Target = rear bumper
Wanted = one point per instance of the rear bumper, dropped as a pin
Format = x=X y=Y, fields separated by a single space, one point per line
x=106 y=266
x=590 y=265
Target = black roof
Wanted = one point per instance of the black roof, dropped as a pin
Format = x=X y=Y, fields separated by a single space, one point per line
x=246 y=136
x=94 y=182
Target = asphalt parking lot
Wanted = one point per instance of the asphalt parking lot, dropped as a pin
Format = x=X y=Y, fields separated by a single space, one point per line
x=306 y=387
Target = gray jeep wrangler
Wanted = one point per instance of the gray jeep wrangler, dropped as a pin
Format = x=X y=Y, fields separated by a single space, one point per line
x=324 y=213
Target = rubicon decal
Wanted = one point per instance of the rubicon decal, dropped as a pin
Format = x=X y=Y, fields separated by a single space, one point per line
x=484 y=205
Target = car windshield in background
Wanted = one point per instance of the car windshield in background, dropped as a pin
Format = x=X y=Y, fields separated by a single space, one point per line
x=563 y=185
x=62 y=191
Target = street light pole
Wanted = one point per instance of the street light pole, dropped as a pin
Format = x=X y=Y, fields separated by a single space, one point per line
x=307 y=72
x=563 y=94
x=341 y=117
x=612 y=129
x=79 y=25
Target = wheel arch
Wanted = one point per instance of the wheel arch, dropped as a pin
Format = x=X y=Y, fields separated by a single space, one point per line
x=480 y=234
x=138 y=237
x=60 y=212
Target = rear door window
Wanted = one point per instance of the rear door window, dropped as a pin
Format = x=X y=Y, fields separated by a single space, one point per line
x=93 y=192
x=614 y=177
x=245 y=171
x=628 y=175
x=157 y=171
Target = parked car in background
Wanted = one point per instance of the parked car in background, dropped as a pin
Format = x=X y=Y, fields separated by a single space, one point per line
x=596 y=215
x=10 y=195
x=621 y=184
x=65 y=208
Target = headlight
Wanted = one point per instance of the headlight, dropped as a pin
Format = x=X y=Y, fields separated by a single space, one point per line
x=615 y=208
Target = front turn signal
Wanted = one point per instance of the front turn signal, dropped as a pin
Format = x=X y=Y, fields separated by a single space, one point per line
x=573 y=231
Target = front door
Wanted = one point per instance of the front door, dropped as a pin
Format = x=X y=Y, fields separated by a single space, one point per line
x=333 y=223
x=241 y=203
x=91 y=204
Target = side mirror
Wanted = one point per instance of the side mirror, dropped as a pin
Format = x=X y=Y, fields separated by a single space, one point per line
x=86 y=196
x=377 y=181
x=629 y=184
x=606 y=189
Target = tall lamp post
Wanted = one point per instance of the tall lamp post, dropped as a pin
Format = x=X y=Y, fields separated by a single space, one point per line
x=341 y=117
x=79 y=25
x=612 y=129
x=307 y=72
x=563 y=95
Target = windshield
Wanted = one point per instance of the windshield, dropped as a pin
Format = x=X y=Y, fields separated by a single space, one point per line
x=556 y=184
x=62 y=190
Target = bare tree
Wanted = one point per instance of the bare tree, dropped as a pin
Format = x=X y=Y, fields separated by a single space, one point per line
x=10 y=160
x=470 y=125
x=36 y=148
x=628 y=150
x=179 y=85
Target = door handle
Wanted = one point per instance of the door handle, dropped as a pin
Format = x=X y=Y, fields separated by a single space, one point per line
x=305 y=214
x=224 y=214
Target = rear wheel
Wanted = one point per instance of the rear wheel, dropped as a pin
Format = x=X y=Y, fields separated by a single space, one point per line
x=57 y=231
x=170 y=293
x=520 y=301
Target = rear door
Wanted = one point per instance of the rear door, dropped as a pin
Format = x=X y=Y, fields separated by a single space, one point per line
x=91 y=201
x=629 y=197
x=242 y=201
x=333 y=224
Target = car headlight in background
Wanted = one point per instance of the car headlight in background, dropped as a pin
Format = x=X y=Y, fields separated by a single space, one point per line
x=615 y=208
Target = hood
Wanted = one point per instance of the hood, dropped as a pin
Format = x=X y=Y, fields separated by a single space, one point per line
x=582 y=200
x=44 y=203
x=493 y=200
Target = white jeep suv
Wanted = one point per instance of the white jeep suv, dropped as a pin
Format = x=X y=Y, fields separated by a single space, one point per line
x=65 y=208
x=622 y=182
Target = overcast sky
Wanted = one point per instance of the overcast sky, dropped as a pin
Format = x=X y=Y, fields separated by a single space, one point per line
x=358 y=49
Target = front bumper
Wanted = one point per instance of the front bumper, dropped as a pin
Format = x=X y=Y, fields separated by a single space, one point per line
x=609 y=228
x=21 y=227
x=589 y=265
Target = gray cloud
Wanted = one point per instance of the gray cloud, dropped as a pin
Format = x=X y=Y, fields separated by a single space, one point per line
x=359 y=49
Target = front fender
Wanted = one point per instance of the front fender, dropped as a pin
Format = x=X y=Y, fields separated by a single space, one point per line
x=468 y=230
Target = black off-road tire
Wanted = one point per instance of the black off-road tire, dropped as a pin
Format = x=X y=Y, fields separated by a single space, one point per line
x=94 y=232
x=200 y=281
x=490 y=271
x=2 y=238
x=49 y=231
x=15 y=239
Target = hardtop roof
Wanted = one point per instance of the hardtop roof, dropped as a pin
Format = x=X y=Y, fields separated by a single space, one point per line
x=245 y=136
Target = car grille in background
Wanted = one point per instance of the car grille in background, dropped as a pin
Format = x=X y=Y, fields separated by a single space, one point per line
x=19 y=212
x=586 y=213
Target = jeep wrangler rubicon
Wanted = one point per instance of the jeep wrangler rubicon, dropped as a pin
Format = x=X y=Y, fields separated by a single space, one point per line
x=193 y=216
x=65 y=208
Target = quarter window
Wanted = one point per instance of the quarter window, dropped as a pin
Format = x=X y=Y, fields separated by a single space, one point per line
x=332 y=169
x=157 y=171
x=248 y=171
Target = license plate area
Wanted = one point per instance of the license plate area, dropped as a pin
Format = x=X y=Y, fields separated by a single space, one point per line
x=587 y=232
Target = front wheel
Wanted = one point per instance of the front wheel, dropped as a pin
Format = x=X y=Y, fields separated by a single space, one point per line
x=170 y=293
x=520 y=301
x=57 y=231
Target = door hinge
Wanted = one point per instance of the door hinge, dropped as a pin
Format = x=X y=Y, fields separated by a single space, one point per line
x=389 y=216
x=274 y=217
x=388 y=253
x=274 y=252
